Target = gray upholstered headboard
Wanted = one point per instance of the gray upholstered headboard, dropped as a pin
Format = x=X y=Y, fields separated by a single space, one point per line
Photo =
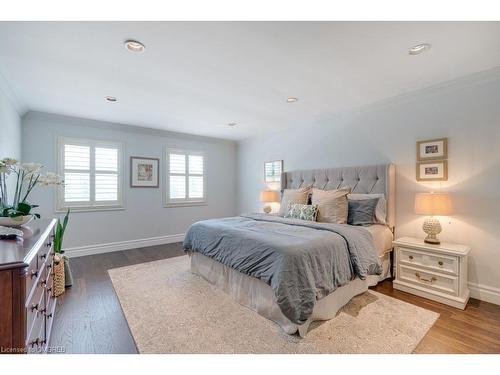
x=372 y=179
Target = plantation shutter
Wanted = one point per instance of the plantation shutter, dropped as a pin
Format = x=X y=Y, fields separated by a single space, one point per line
x=185 y=177
x=92 y=174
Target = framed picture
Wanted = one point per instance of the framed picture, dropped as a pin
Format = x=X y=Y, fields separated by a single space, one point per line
x=434 y=149
x=272 y=170
x=144 y=172
x=432 y=171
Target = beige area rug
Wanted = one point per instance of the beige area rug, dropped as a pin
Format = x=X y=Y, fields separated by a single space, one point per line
x=171 y=310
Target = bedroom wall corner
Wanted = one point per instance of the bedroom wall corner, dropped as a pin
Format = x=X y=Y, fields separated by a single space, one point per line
x=465 y=111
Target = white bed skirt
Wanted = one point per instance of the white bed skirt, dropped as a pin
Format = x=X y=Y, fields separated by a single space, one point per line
x=258 y=296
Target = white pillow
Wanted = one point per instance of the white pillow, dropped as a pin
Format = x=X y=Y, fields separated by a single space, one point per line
x=291 y=196
x=332 y=205
x=380 y=210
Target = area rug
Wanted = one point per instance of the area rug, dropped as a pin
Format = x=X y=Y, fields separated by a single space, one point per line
x=171 y=310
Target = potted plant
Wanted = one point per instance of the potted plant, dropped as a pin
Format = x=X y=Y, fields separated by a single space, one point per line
x=62 y=271
x=18 y=210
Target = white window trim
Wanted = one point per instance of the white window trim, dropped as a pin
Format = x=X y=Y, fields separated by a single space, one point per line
x=186 y=202
x=62 y=206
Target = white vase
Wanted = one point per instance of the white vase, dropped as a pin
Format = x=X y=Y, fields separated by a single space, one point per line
x=15 y=221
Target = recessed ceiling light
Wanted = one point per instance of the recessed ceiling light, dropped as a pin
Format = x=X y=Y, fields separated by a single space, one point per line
x=291 y=99
x=134 y=46
x=419 y=48
x=111 y=99
x=231 y=124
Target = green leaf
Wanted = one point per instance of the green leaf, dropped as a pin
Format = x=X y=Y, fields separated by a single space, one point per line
x=24 y=208
x=65 y=222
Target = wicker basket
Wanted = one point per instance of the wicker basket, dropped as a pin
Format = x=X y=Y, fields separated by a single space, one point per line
x=58 y=275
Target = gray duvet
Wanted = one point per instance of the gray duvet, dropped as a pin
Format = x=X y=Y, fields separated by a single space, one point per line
x=302 y=261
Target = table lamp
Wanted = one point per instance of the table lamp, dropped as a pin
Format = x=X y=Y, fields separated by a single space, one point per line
x=432 y=204
x=269 y=196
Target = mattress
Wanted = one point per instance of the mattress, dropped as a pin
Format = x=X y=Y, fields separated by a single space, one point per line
x=382 y=238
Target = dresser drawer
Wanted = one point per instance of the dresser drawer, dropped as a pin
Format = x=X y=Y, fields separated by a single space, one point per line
x=34 y=305
x=32 y=275
x=431 y=261
x=49 y=287
x=431 y=280
x=36 y=331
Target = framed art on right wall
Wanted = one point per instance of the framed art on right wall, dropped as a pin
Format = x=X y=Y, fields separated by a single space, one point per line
x=432 y=170
x=433 y=149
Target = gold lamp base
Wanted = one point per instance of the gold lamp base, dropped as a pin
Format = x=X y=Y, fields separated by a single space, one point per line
x=267 y=209
x=432 y=227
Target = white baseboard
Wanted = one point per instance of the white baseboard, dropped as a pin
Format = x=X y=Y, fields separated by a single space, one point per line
x=485 y=293
x=80 y=251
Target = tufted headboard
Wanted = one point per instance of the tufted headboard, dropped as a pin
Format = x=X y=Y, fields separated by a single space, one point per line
x=372 y=179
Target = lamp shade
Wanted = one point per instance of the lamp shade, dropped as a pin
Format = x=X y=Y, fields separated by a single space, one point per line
x=269 y=196
x=433 y=204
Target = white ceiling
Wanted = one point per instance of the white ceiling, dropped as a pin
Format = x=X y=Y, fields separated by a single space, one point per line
x=195 y=77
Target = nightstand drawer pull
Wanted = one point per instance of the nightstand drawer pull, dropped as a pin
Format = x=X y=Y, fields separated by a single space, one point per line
x=420 y=278
x=440 y=264
x=410 y=257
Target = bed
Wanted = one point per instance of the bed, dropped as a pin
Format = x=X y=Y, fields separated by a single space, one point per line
x=295 y=272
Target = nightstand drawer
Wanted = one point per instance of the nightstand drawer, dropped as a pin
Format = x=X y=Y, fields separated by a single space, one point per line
x=430 y=280
x=435 y=262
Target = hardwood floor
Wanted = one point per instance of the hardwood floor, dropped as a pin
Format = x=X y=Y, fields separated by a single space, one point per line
x=89 y=318
x=473 y=330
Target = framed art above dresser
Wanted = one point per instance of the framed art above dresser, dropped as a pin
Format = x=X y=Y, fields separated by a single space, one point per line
x=27 y=303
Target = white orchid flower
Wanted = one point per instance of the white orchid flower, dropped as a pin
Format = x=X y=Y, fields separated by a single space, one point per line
x=4 y=169
x=9 y=161
x=50 y=178
x=31 y=167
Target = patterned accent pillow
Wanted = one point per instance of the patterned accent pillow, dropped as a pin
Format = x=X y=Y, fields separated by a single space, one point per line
x=302 y=211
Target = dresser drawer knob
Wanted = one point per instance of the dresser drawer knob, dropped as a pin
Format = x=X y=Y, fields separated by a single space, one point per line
x=410 y=257
x=43 y=256
x=34 y=307
x=43 y=283
x=48 y=315
x=34 y=273
x=429 y=281
x=48 y=244
x=34 y=342
x=440 y=264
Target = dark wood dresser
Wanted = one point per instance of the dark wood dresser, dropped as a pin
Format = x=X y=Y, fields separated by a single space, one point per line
x=27 y=304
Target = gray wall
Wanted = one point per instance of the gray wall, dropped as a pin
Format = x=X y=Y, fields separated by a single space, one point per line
x=466 y=111
x=10 y=132
x=144 y=216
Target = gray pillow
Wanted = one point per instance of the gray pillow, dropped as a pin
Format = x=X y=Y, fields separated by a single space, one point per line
x=362 y=212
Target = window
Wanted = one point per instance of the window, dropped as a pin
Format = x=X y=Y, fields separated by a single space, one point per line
x=185 y=178
x=92 y=172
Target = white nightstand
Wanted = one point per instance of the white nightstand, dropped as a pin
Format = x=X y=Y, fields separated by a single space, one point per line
x=436 y=272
